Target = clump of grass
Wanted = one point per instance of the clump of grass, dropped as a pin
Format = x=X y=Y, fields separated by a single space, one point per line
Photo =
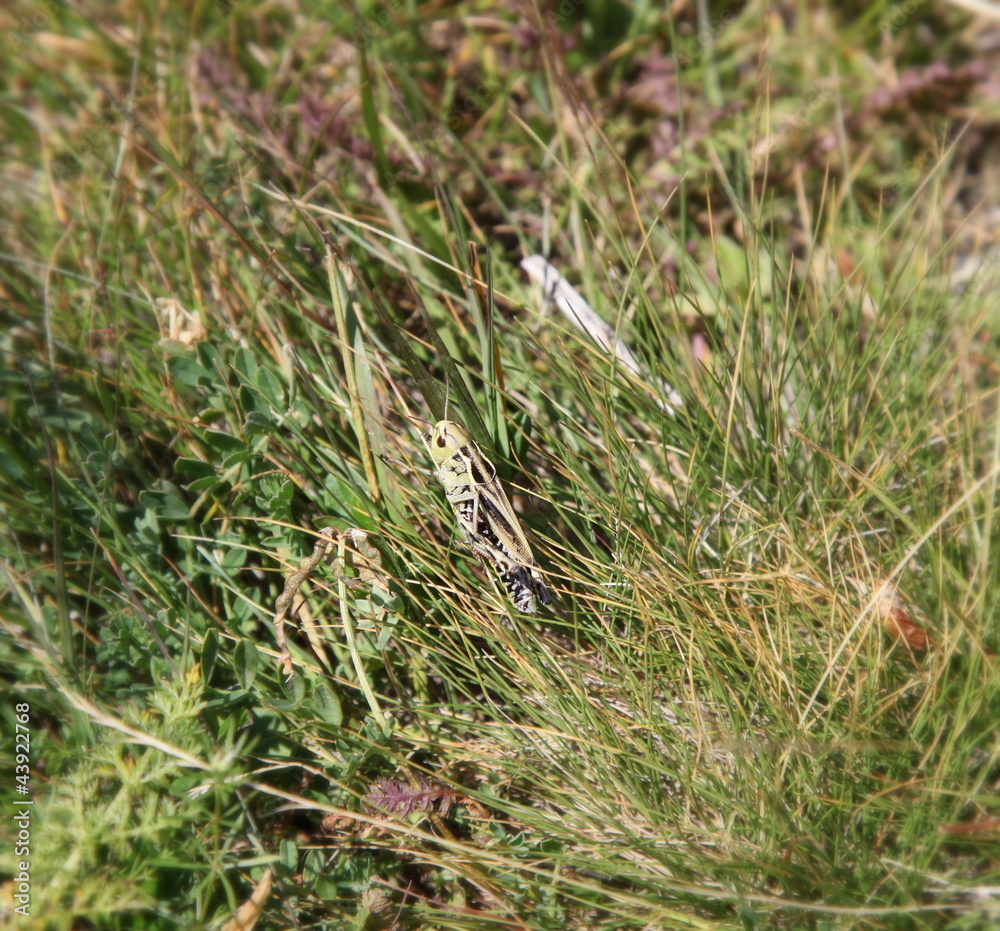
x=722 y=721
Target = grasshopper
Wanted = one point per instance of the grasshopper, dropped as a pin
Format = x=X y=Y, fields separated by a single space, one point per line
x=484 y=513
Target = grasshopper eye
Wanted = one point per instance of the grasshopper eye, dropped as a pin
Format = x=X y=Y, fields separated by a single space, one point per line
x=441 y=441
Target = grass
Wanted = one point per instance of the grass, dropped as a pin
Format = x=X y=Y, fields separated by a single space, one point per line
x=228 y=290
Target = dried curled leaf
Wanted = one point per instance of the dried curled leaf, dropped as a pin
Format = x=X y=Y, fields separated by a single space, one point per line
x=898 y=621
x=292 y=584
x=248 y=914
x=353 y=551
x=177 y=324
x=337 y=824
x=368 y=562
x=985 y=825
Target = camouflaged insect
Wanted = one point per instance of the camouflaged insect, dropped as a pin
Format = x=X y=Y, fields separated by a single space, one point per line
x=484 y=513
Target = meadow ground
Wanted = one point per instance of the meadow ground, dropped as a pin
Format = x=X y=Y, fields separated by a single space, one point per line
x=248 y=250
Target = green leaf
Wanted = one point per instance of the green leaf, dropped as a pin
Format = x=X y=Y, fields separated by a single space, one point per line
x=252 y=401
x=295 y=689
x=235 y=459
x=188 y=372
x=209 y=652
x=288 y=855
x=245 y=364
x=350 y=503
x=203 y=484
x=211 y=359
x=328 y=705
x=224 y=442
x=197 y=468
x=165 y=504
x=274 y=496
x=271 y=388
x=233 y=557
x=258 y=422
x=245 y=660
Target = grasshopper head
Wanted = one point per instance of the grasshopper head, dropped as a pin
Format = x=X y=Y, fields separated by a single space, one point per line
x=446 y=439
